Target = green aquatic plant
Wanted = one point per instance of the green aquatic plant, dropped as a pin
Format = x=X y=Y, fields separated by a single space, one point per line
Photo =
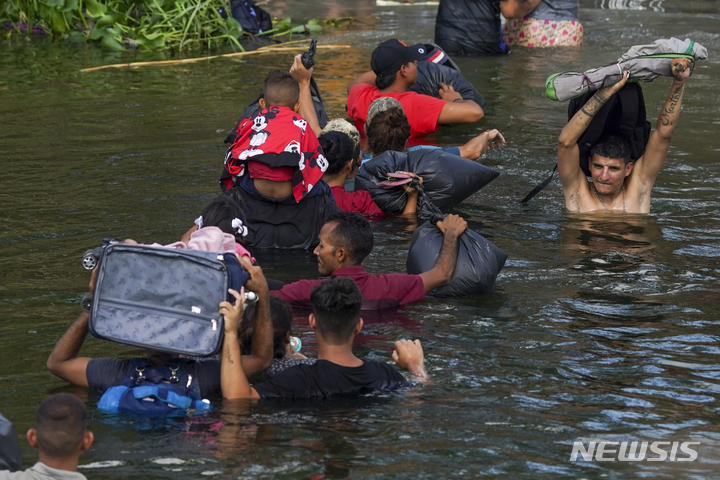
x=179 y=25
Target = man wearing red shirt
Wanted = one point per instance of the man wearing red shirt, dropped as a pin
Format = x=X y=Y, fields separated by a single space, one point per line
x=394 y=71
x=344 y=242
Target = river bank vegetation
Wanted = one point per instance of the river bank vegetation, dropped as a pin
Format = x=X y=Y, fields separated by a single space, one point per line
x=180 y=25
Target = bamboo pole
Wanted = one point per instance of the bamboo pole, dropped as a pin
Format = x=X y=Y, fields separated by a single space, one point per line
x=283 y=47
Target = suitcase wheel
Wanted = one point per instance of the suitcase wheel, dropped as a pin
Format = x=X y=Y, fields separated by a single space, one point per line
x=89 y=260
x=86 y=302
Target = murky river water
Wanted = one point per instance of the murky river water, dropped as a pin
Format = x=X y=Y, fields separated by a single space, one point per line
x=601 y=328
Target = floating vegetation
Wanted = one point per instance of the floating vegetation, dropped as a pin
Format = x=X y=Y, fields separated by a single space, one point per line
x=179 y=25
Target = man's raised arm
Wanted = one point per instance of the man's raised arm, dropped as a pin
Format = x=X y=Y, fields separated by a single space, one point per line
x=63 y=361
x=307 y=107
x=571 y=174
x=261 y=356
x=646 y=170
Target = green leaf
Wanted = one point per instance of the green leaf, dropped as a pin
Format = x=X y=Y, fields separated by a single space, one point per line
x=70 y=6
x=106 y=20
x=77 y=37
x=54 y=3
x=233 y=28
x=94 y=8
x=97 y=33
x=309 y=28
x=313 y=21
x=284 y=21
x=110 y=42
x=57 y=21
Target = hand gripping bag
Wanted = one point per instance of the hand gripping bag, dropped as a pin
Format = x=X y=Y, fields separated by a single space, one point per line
x=478 y=261
x=163 y=299
x=447 y=179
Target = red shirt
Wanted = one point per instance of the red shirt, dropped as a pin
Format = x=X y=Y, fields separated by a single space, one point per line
x=378 y=291
x=360 y=202
x=422 y=111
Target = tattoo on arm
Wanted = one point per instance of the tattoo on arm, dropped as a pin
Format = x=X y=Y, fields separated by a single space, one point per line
x=671 y=105
x=229 y=358
x=587 y=113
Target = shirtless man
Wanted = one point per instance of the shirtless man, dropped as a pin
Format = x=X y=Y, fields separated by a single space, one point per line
x=618 y=184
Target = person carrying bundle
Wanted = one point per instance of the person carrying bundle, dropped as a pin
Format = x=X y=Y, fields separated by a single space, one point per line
x=618 y=184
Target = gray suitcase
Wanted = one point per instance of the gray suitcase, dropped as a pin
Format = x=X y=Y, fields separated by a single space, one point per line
x=161 y=299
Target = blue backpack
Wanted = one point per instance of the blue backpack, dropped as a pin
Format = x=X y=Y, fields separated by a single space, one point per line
x=156 y=391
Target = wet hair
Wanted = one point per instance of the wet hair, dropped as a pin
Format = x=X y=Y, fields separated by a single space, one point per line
x=338 y=149
x=220 y=212
x=353 y=233
x=612 y=146
x=388 y=130
x=281 y=89
x=60 y=424
x=336 y=304
x=281 y=322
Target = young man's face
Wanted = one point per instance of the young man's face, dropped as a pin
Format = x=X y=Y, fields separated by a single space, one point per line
x=608 y=174
x=326 y=251
x=410 y=71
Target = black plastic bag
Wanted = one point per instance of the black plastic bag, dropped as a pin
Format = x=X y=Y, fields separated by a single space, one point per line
x=447 y=179
x=251 y=18
x=430 y=75
x=478 y=261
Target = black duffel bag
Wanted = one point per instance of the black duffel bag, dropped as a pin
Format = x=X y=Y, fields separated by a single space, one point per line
x=478 y=261
x=430 y=75
x=447 y=179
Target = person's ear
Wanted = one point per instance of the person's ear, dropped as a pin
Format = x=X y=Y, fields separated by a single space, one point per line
x=359 y=326
x=296 y=108
x=262 y=103
x=32 y=438
x=629 y=168
x=311 y=322
x=341 y=254
x=88 y=440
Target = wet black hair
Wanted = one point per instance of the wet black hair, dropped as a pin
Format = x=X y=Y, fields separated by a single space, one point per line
x=60 y=424
x=353 y=233
x=220 y=212
x=388 y=130
x=281 y=322
x=336 y=304
x=281 y=89
x=339 y=149
x=612 y=146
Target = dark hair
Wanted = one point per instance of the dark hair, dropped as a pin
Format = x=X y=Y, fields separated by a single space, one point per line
x=353 y=233
x=220 y=212
x=336 y=304
x=60 y=425
x=388 y=130
x=384 y=82
x=281 y=89
x=339 y=149
x=612 y=146
x=281 y=322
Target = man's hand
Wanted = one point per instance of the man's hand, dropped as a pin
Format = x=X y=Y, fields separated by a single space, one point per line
x=448 y=93
x=477 y=146
x=233 y=311
x=257 y=282
x=453 y=225
x=409 y=355
x=680 y=68
x=298 y=70
x=612 y=89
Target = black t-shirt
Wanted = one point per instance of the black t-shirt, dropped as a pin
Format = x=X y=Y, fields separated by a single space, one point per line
x=324 y=378
x=103 y=373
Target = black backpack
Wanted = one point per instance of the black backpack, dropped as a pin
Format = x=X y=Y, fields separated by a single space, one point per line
x=251 y=18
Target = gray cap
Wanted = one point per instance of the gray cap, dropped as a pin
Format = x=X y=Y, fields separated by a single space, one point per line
x=380 y=105
x=343 y=126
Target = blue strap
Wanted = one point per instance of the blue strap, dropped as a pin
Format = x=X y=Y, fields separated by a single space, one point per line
x=110 y=400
